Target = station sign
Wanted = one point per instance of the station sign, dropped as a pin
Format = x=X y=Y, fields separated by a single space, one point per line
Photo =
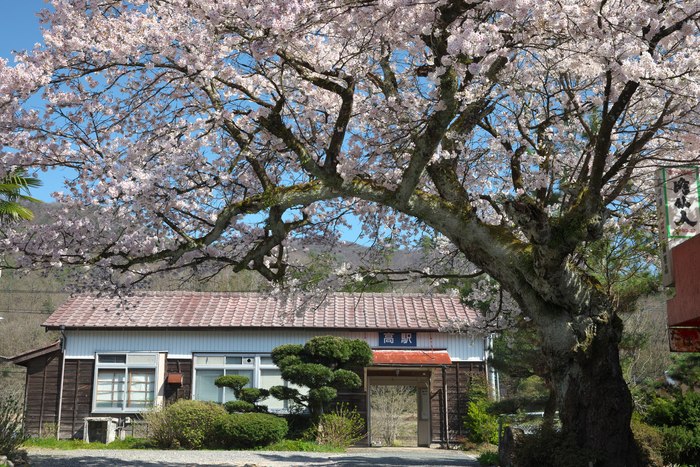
x=397 y=339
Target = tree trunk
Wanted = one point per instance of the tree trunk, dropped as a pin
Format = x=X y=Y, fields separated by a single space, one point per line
x=550 y=407
x=594 y=401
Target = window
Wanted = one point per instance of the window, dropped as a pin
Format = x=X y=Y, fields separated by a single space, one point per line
x=260 y=371
x=125 y=382
x=269 y=378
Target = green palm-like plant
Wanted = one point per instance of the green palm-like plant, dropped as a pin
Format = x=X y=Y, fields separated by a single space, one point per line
x=14 y=188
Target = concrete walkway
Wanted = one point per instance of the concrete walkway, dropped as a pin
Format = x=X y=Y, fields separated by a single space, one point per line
x=361 y=457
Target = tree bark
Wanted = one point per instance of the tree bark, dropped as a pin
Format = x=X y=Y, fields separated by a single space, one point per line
x=595 y=405
x=550 y=408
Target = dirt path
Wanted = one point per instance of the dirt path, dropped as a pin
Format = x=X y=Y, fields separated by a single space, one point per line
x=362 y=457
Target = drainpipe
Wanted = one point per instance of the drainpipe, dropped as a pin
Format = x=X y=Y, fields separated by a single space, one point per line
x=60 y=388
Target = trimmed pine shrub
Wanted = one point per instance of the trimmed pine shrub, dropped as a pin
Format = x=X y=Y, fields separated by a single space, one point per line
x=239 y=407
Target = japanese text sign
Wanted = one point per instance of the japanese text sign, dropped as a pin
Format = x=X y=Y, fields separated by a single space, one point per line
x=679 y=210
x=397 y=339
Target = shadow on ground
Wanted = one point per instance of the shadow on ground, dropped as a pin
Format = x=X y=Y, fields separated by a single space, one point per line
x=53 y=461
x=257 y=459
x=367 y=461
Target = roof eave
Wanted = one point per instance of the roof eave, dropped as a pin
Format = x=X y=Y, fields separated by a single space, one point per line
x=23 y=358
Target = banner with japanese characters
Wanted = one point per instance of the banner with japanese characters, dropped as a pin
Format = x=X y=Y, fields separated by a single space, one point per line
x=679 y=211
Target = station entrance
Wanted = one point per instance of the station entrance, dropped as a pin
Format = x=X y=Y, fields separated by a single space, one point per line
x=399 y=406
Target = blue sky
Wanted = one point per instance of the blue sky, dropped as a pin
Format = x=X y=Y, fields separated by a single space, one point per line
x=19 y=26
x=20 y=30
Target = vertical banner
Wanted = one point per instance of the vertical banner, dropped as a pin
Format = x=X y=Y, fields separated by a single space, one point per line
x=678 y=210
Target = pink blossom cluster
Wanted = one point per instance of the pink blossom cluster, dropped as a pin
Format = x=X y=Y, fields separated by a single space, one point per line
x=215 y=132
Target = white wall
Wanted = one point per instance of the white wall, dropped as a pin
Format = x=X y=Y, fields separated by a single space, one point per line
x=181 y=344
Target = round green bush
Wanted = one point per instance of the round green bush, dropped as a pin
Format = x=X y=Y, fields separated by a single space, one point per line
x=249 y=430
x=185 y=424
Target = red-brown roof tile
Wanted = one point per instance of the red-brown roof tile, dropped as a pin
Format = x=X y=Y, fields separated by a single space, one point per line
x=258 y=310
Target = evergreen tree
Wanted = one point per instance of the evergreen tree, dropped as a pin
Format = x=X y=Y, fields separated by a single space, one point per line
x=323 y=365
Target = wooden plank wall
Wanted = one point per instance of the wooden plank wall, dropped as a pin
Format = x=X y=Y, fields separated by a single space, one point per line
x=77 y=393
x=173 y=393
x=41 y=394
x=457 y=376
x=77 y=397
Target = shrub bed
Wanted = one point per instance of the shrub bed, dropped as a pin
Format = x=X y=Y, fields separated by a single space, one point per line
x=11 y=433
x=185 y=424
x=249 y=430
x=342 y=428
x=299 y=426
x=678 y=419
x=548 y=447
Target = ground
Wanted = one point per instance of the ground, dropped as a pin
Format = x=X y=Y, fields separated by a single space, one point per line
x=356 y=457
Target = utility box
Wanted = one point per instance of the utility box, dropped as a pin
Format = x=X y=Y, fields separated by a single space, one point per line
x=100 y=429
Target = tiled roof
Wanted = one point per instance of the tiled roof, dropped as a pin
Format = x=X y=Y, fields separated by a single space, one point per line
x=259 y=310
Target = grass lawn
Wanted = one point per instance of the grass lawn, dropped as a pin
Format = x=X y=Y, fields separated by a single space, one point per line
x=299 y=445
x=69 y=444
x=140 y=443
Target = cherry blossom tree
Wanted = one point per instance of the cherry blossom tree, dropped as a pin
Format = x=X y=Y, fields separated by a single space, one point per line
x=214 y=134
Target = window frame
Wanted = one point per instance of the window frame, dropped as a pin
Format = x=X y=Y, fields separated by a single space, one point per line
x=126 y=369
x=256 y=366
